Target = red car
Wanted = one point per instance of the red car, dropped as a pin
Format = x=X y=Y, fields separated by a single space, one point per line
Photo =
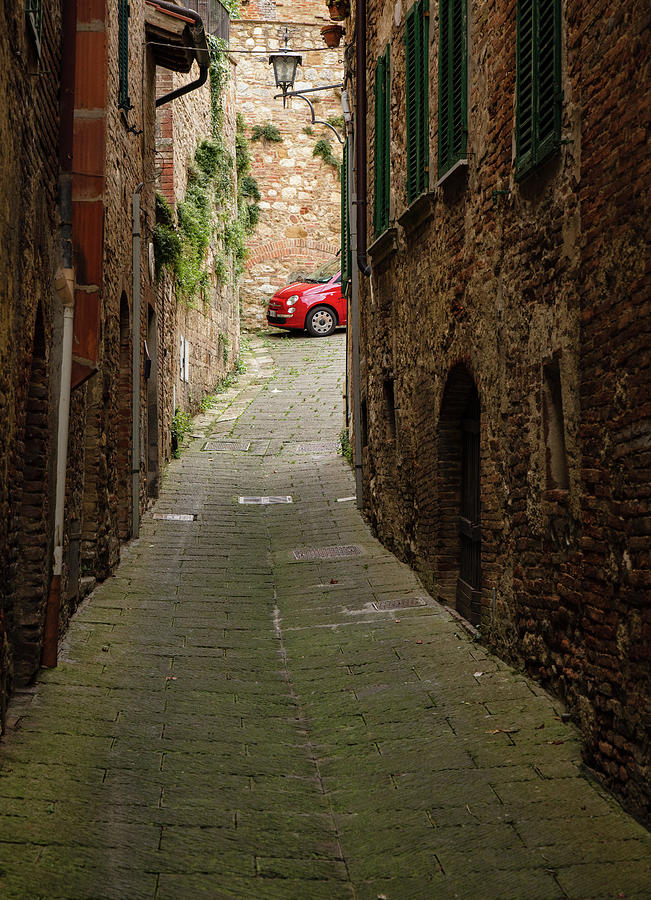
x=314 y=303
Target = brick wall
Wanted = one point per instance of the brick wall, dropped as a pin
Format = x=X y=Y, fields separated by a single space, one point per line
x=538 y=294
x=29 y=122
x=300 y=219
x=209 y=327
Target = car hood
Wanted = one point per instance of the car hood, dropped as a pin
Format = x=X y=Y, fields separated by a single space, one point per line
x=303 y=289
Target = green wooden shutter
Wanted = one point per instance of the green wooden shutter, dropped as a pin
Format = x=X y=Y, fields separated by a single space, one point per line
x=423 y=107
x=549 y=78
x=525 y=86
x=346 y=267
x=417 y=98
x=382 y=142
x=453 y=84
x=124 y=12
x=539 y=89
x=34 y=13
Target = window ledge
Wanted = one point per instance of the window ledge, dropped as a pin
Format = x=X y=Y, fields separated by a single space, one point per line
x=383 y=247
x=418 y=213
x=459 y=165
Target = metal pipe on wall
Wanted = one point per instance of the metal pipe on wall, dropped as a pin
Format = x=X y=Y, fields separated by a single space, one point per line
x=135 y=367
x=65 y=290
x=354 y=299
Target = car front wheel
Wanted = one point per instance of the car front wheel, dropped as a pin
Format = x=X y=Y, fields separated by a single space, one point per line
x=321 y=321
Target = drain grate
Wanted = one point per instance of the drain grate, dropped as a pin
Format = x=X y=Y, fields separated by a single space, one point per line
x=315 y=447
x=400 y=603
x=226 y=444
x=175 y=517
x=341 y=552
x=263 y=501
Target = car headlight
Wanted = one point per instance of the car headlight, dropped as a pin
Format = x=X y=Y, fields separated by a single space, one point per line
x=291 y=301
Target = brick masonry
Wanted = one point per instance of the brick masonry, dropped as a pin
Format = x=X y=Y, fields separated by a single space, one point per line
x=538 y=297
x=210 y=327
x=300 y=207
x=29 y=129
x=110 y=154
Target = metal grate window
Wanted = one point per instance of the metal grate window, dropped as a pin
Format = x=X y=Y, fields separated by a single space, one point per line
x=34 y=13
x=417 y=77
x=382 y=142
x=453 y=84
x=124 y=12
x=539 y=88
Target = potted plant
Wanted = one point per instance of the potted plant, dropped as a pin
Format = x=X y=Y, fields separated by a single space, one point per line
x=331 y=34
x=338 y=9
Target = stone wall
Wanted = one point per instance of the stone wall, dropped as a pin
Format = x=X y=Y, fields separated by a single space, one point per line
x=530 y=295
x=29 y=126
x=206 y=330
x=300 y=206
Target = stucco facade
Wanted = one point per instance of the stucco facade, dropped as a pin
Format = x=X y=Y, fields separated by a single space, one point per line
x=505 y=363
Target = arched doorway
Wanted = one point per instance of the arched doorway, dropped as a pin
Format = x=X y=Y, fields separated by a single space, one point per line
x=151 y=374
x=459 y=490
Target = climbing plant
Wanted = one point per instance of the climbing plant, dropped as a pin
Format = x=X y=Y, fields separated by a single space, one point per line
x=323 y=149
x=266 y=132
x=220 y=208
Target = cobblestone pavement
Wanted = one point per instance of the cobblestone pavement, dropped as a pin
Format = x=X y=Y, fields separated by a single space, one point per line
x=234 y=719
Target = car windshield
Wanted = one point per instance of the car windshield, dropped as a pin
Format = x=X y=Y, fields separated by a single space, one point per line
x=325 y=272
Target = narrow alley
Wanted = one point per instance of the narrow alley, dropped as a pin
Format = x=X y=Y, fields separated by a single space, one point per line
x=262 y=702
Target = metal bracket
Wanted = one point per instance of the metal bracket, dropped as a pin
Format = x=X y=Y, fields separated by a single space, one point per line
x=301 y=95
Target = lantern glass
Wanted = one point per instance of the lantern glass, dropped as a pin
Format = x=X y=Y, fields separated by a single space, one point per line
x=285 y=64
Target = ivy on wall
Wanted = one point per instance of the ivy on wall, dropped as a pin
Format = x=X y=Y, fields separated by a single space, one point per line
x=220 y=208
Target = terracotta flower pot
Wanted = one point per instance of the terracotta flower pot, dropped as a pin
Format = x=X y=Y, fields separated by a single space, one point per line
x=331 y=34
x=338 y=10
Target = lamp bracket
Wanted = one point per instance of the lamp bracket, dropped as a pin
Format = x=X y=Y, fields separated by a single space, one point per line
x=301 y=94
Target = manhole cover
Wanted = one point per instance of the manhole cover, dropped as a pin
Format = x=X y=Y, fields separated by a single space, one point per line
x=225 y=445
x=400 y=603
x=316 y=447
x=263 y=501
x=341 y=552
x=175 y=517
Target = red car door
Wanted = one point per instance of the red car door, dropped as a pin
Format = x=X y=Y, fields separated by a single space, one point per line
x=335 y=298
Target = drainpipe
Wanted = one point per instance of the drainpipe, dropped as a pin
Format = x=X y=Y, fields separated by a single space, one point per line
x=354 y=299
x=360 y=142
x=135 y=368
x=65 y=289
x=201 y=52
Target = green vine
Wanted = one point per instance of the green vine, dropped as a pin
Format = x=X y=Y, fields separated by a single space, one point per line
x=266 y=132
x=204 y=216
x=323 y=149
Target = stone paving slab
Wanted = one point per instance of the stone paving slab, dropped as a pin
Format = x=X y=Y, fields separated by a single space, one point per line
x=229 y=721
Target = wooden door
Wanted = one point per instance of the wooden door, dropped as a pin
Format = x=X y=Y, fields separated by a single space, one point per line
x=469 y=582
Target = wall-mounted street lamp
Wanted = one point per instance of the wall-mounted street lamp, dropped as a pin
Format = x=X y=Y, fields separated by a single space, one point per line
x=285 y=63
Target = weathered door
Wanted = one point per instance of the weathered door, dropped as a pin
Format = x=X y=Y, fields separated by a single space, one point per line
x=469 y=583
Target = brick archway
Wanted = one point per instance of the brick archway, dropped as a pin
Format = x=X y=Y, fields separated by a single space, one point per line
x=288 y=247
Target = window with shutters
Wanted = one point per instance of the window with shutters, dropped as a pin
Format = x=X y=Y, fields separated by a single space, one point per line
x=539 y=89
x=382 y=142
x=34 y=13
x=346 y=269
x=417 y=98
x=453 y=84
x=124 y=12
